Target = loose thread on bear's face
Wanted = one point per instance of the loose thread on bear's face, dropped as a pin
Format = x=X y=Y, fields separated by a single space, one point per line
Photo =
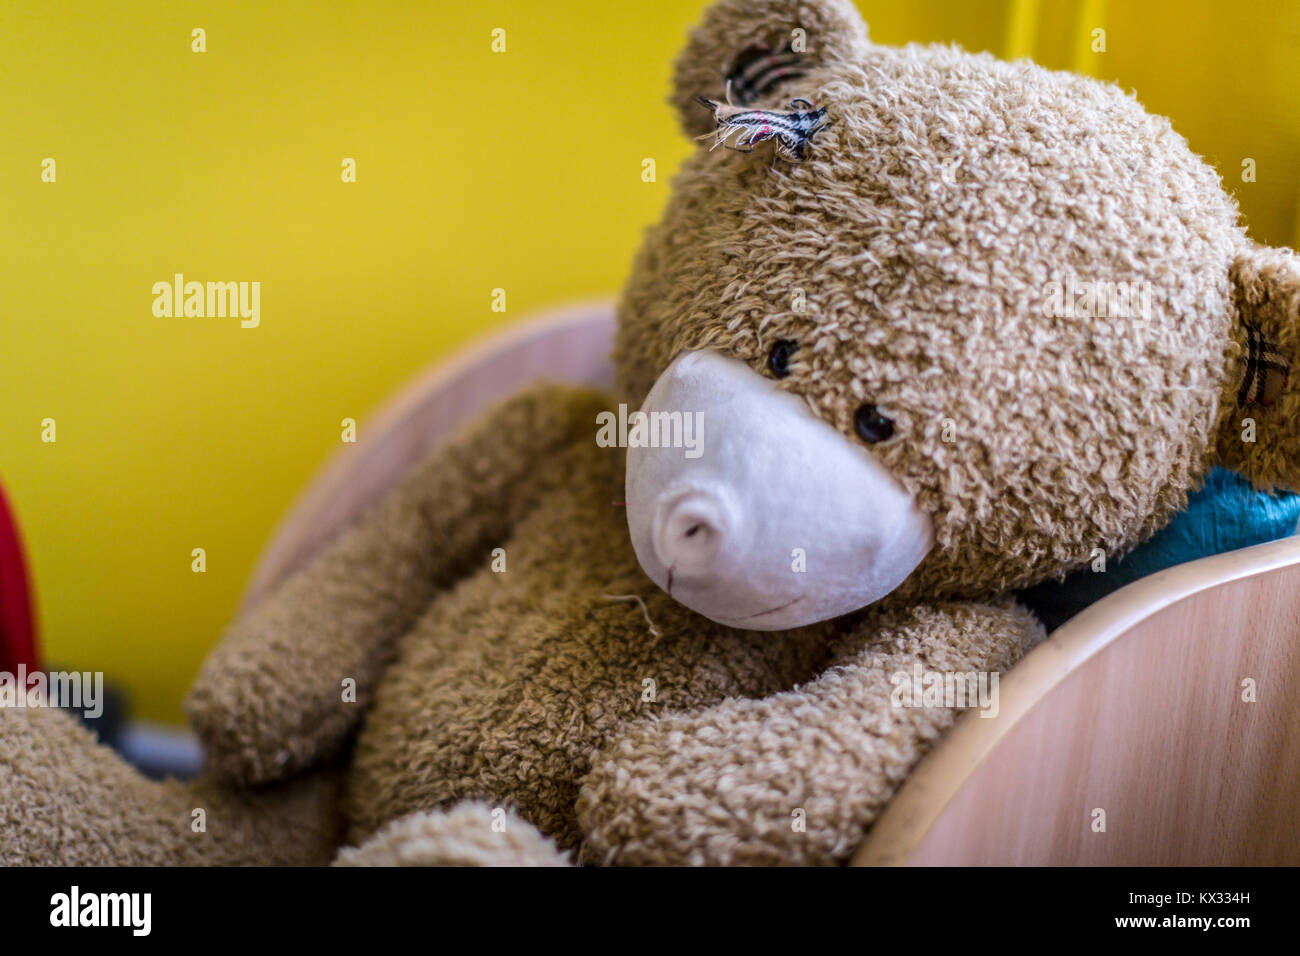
x=644 y=610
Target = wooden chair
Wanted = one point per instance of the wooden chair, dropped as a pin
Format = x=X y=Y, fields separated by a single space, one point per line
x=1157 y=727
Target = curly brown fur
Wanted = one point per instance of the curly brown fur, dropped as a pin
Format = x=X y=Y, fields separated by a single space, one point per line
x=71 y=801
x=1266 y=294
x=470 y=834
x=799 y=776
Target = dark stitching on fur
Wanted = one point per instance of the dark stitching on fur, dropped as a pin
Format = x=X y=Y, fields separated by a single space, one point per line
x=758 y=70
x=791 y=129
x=1262 y=357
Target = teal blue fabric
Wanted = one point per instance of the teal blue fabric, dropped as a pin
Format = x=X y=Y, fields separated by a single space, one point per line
x=1224 y=515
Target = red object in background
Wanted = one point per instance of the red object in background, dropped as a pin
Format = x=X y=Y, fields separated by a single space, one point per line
x=17 y=625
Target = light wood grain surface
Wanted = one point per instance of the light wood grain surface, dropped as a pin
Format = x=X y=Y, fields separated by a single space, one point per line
x=1135 y=709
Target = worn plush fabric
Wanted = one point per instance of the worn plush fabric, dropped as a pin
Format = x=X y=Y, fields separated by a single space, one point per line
x=794 y=777
x=471 y=834
x=1224 y=515
x=69 y=800
x=908 y=263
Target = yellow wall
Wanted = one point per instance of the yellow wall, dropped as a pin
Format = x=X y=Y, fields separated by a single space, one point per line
x=476 y=170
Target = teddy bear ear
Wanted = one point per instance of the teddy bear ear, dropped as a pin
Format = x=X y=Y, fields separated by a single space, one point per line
x=1259 y=431
x=762 y=47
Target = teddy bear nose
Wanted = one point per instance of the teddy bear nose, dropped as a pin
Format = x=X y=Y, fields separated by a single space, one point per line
x=690 y=532
x=747 y=507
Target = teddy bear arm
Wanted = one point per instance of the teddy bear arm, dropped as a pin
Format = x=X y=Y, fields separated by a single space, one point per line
x=797 y=777
x=289 y=681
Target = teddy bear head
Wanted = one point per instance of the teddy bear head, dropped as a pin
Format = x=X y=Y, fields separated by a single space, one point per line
x=951 y=324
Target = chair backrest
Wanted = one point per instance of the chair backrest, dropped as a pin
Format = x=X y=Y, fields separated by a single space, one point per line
x=1157 y=727
x=568 y=345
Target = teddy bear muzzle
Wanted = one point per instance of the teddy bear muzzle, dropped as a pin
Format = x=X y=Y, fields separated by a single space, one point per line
x=750 y=509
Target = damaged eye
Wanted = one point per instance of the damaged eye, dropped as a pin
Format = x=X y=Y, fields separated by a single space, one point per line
x=870 y=425
x=779 y=360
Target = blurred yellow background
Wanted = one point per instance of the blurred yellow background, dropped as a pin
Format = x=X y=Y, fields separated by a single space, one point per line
x=475 y=171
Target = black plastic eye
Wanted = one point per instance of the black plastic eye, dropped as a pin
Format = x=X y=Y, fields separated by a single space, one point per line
x=779 y=360
x=870 y=425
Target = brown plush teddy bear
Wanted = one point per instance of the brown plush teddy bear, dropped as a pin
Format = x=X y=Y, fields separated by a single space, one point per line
x=918 y=328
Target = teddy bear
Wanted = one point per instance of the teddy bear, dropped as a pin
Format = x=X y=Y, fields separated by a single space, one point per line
x=918 y=328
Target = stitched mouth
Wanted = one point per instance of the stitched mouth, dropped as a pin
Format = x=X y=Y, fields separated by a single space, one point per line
x=754 y=617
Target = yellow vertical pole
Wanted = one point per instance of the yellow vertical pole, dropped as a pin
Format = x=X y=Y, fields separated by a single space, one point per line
x=1090 y=18
x=1295 y=230
x=1022 y=29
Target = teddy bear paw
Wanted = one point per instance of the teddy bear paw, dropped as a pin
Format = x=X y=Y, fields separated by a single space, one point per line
x=469 y=834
